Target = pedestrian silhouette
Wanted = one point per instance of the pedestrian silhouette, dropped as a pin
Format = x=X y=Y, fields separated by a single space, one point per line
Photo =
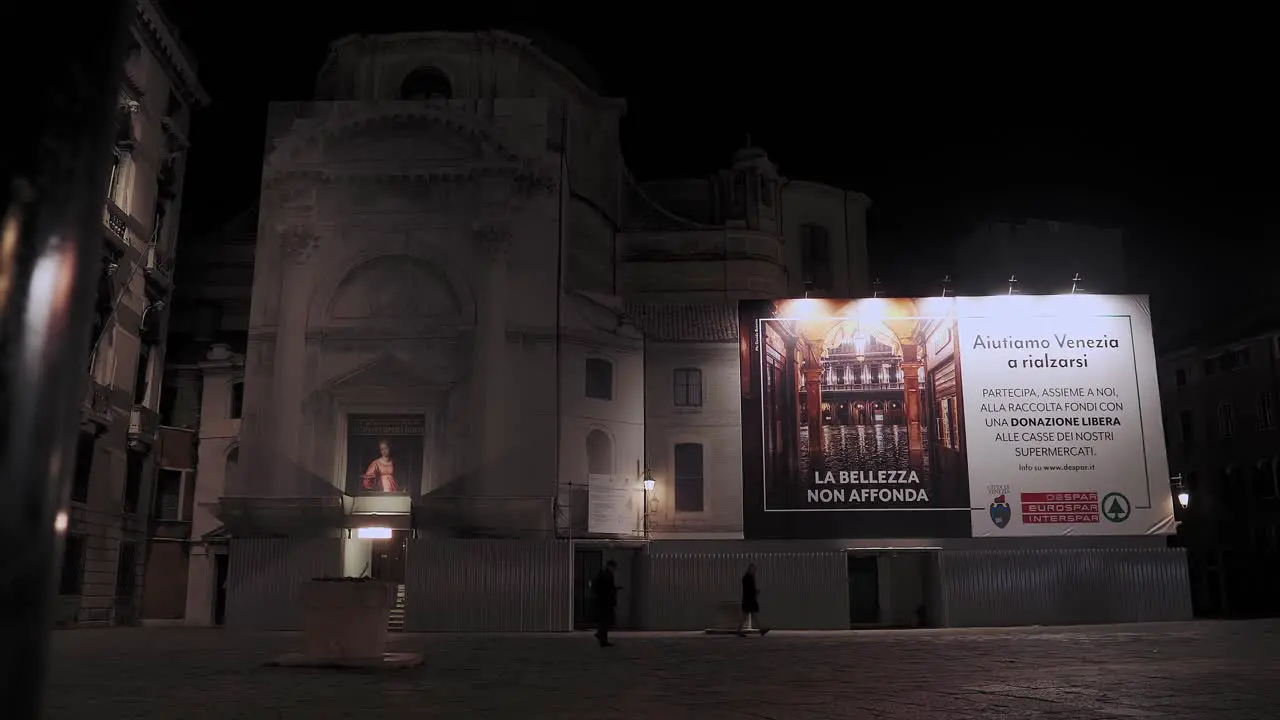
x=605 y=592
x=750 y=604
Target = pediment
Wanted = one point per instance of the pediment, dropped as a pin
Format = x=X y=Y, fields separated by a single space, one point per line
x=384 y=372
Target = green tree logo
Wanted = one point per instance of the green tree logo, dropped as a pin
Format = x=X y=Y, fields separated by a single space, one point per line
x=1116 y=507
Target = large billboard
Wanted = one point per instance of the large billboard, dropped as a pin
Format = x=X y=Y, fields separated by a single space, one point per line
x=999 y=416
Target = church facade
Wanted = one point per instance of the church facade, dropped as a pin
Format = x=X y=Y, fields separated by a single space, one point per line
x=481 y=359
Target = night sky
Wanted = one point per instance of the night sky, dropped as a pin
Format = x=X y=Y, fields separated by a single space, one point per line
x=1173 y=142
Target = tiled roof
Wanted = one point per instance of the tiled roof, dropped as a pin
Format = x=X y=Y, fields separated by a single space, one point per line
x=701 y=322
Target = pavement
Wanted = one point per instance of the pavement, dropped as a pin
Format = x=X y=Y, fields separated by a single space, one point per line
x=1201 y=670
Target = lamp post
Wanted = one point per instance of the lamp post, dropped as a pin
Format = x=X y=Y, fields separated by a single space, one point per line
x=648 y=485
x=1180 y=491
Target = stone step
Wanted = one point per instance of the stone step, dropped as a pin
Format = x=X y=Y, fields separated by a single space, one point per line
x=395 y=620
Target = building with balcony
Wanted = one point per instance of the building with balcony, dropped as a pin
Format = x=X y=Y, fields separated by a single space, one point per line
x=202 y=396
x=122 y=446
x=1222 y=428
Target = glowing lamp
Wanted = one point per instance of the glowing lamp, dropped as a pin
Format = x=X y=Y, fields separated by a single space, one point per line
x=1183 y=498
x=374 y=533
x=860 y=343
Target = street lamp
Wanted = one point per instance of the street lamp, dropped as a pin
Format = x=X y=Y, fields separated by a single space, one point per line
x=648 y=486
x=1180 y=491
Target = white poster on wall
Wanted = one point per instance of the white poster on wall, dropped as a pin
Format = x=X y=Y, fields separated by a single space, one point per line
x=612 y=506
x=1062 y=413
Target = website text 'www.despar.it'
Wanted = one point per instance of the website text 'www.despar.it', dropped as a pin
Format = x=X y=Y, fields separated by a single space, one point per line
x=1027 y=467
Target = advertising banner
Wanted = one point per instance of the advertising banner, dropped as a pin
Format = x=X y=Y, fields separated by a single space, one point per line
x=385 y=454
x=952 y=417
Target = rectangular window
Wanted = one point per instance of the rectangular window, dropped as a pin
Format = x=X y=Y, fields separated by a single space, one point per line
x=1180 y=377
x=133 y=481
x=168 y=495
x=1185 y=429
x=237 y=400
x=127 y=570
x=687 y=387
x=71 y=579
x=599 y=379
x=85 y=446
x=689 y=490
x=1210 y=365
x=168 y=402
x=1266 y=411
x=1226 y=420
x=142 y=374
x=117 y=169
x=815 y=257
x=1242 y=358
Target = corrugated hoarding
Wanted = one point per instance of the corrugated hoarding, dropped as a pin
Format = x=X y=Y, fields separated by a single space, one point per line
x=489 y=585
x=952 y=417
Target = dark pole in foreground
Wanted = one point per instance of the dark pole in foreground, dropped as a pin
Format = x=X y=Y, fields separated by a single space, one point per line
x=53 y=174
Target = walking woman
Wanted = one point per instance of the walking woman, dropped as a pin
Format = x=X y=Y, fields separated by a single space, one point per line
x=750 y=604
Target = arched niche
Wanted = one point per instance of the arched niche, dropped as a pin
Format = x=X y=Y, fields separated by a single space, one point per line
x=600 y=457
x=426 y=83
x=393 y=292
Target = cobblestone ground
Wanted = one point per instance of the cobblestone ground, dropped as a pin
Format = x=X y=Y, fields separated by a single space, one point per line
x=1203 y=671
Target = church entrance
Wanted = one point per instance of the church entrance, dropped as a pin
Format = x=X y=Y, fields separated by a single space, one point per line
x=387 y=559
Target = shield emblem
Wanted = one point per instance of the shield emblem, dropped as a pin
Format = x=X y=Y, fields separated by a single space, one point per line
x=1001 y=513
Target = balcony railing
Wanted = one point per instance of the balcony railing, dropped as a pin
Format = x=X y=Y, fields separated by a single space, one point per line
x=96 y=405
x=861 y=387
x=143 y=424
x=116 y=222
x=159 y=266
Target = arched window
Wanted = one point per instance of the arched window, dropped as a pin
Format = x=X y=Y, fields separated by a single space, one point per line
x=232 y=473
x=1262 y=482
x=426 y=83
x=815 y=257
x=599 y=453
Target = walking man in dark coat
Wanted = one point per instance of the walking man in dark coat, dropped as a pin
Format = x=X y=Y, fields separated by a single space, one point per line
x=606 y=598
x=750 y=603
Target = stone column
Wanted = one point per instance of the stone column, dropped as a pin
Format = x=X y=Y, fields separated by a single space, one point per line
x=791 y=421
x=911 y=394
x=298 y=244
x=489 y=379
x=813 y=391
